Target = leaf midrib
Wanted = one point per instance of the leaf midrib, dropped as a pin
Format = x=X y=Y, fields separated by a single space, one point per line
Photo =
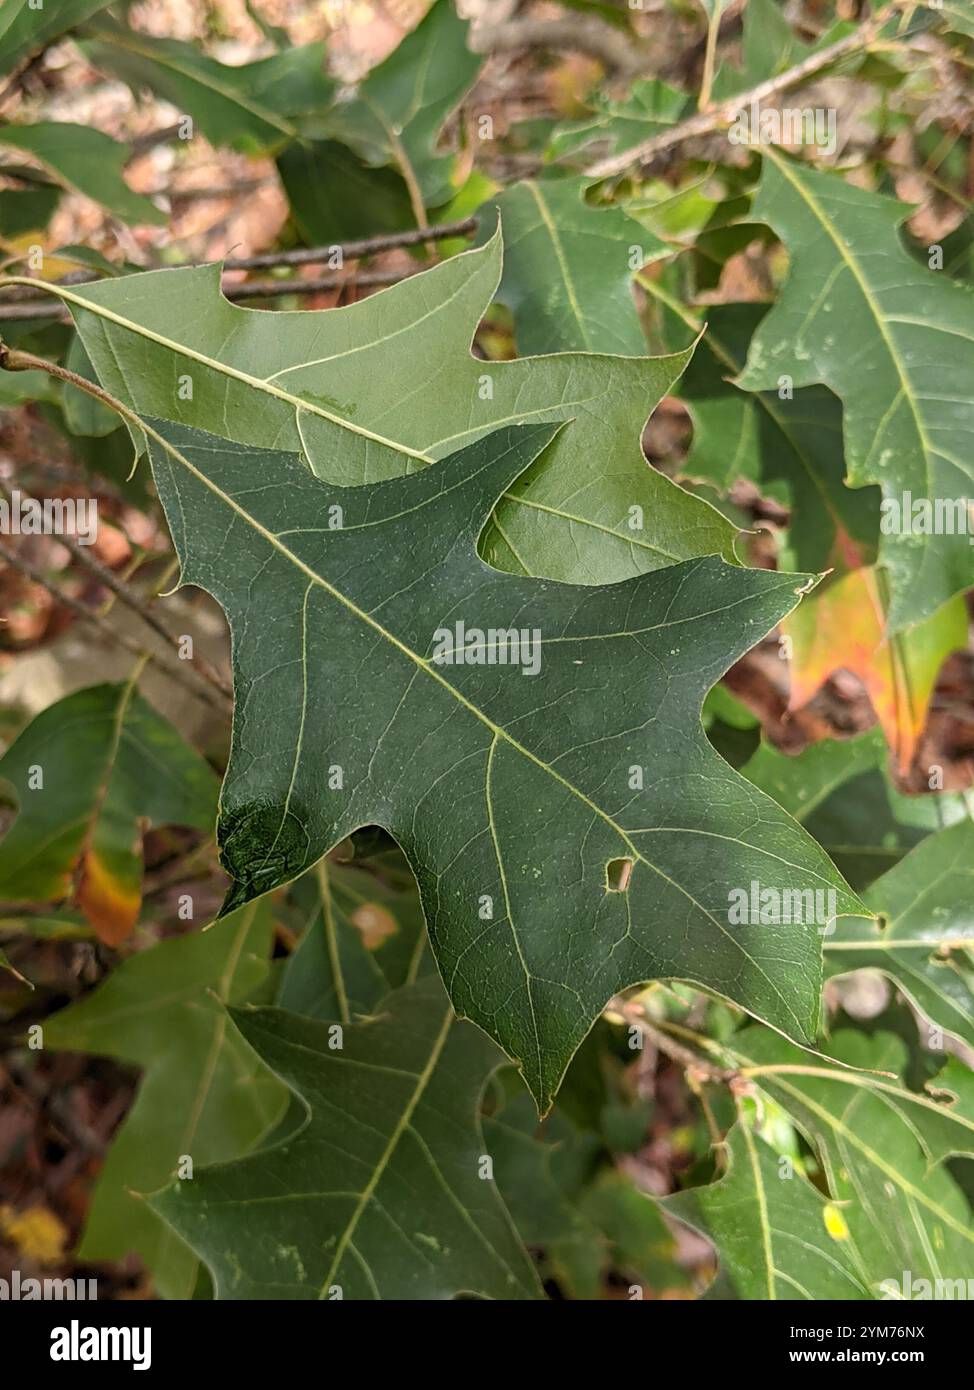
x=399 y=1129
x=559 y=250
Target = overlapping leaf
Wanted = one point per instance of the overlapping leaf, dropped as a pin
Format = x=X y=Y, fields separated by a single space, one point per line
x=84 y=160
x=365 y=936
x=204 y=1095
x=894 y=341
x=254 y=107
x=790 y=446
x=649 y=107
x=586 y=1217
x=568 y=269
x=924 y=934
x=382 y=1193
x=26 y=28
x=882 y=1149
x=395 y=116
x=389 y=384
x=777 y=1237
x=842 y=793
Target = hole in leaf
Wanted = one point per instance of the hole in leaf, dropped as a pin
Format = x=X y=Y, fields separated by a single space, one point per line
x=617 y=875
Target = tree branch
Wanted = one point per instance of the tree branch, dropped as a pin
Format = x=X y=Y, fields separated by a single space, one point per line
x=707 y=122
x=188 y=676
x=301 y=256
x=133 y=600
x=576 y=33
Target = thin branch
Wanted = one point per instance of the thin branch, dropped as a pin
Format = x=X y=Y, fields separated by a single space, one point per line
x=187 y=675
x=633 y=1012
x=708 y=122
x=133 y=600
x=270 y=289
x=42 y=307
x=351 y=250
x=575 y=33
x=143 y=143
x=302 y=256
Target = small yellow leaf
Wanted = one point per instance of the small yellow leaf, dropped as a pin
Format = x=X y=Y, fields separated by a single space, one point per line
x=36 y=1233
x=835 y=1222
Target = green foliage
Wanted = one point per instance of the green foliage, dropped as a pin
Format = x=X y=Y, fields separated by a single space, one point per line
x=26 y=29
x=375 y=593
x=481 y=1015
x=319 y=382
x=855 y=291
x=84 y=160
x=568 y=269
x=378 y=1193
x=204 y=1096
x=87 y=775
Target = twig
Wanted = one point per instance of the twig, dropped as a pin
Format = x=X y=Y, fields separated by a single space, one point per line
x=707 y=122
x=213 y=192
x=351 y=250
x=313 y=255
x=577 y=33
x=165 y=136
x=189 y=676
x=634 y=1013
x=133 y=600
x=270 y=289
x=41 y=307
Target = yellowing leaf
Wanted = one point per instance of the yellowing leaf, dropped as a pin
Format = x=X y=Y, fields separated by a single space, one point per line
x=843 y=627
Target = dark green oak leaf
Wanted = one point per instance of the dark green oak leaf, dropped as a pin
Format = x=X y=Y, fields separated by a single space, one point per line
x=585 y=1217
x=382 y=1193
x=841 y=792
x=790 y=448
x=514 y=797
x=895 y=342
x=881 y=1147
x=777 y=1237
x=203 y=1094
